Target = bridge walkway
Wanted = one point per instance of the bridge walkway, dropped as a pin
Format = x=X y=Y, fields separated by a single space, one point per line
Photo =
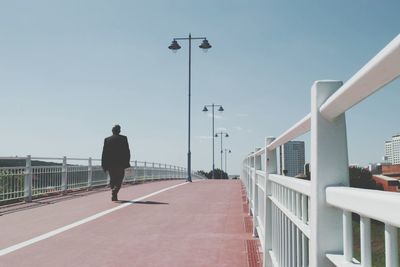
x=166 y=223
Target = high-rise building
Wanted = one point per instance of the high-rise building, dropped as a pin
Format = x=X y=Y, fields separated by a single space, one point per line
x=396 y=149
x=293 y=158
x=392 y=150
x=388 y=152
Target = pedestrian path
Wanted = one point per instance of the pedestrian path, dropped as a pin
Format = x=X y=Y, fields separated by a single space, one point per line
x=167 y=223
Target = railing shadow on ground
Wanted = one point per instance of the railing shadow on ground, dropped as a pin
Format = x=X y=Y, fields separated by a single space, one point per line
x=143 y=202
x=309 y=223
x=57 y=198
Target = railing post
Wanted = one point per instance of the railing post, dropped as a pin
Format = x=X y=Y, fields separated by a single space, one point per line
x=64 y=175
x=270 y=167
x=152 y=172
x=144 y=170
x=329 y=167
x=257 y=166
x=90 y=173
x=28 y=179
x=134 y=171
x=248 y=179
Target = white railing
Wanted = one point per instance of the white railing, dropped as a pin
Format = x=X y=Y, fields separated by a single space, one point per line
x=66 y=174
x=309 y=223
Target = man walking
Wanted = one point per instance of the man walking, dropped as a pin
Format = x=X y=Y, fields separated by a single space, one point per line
x=115 y=159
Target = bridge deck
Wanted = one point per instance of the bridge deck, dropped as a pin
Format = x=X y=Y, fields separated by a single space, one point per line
x=193 y=224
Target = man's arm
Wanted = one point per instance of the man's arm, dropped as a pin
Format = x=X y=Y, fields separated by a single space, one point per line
x=104 y=157
x=128 y=152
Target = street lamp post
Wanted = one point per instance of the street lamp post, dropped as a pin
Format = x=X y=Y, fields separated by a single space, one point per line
x=222 y=134
x=174 y=47
x=213 y=106
x=226 y=159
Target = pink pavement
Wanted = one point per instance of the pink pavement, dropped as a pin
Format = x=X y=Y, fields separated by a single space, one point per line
x=196 y=224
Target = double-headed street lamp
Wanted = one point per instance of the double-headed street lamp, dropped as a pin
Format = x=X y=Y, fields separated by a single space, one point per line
x=221 y=134
x=174 y=47
x=213 y=106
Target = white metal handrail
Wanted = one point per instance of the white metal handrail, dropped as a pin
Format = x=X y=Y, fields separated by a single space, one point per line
x=26 y=182
x=298 y=185
x=300 y=128
x=378 y=72
x=367 y=203
x=297 y=221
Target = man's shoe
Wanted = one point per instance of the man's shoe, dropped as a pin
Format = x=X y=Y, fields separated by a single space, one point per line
x=114 y=198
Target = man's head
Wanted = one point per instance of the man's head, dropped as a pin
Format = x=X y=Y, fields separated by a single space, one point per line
x=116 y=129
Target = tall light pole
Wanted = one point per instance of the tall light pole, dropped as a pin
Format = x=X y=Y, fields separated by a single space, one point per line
x=226 y=159
x=174 y=47
x=222 y=134
x=220 y=109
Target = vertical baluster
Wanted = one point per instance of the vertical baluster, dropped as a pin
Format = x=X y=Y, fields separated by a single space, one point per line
x=288 y=245
x=365 y=236
x=298 y=247
x=64 y=181
x=152 y=171
x=135 y=169
x=294 y=202
x=90 y=173
x=304 y=241
x=285 y=241
x=391 y=247
x=283 y=235
x=304 y=247
x=273 y=230
x=28 y=179
x=347 y=236
x=304 y=216
x=292 y=244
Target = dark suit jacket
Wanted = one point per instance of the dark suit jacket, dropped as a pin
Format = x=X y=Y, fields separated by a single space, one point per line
x=116 y=152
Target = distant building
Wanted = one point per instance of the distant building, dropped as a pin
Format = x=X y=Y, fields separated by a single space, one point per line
x=392 y=150
x=388 y=183
x=388 y=152
x=293 y=158
x=396 y=149
x=391 y=170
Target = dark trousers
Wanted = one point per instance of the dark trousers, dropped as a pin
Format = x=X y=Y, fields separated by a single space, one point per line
x=116 y=177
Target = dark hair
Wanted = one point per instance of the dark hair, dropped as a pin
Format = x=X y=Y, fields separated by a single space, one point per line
x=116 y=129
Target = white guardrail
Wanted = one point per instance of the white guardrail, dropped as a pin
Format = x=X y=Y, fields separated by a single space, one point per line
x=309 y=223
x=66 y=174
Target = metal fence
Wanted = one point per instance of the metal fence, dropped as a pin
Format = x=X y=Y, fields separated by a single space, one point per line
x=67 y=174
x=309 y=223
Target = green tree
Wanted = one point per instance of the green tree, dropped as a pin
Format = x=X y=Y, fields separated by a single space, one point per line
x=11 y=184
x=218 y=174
x=362 y=178
x=203 y=173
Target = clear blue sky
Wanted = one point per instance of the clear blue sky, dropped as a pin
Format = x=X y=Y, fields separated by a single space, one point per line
x=69 y=70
